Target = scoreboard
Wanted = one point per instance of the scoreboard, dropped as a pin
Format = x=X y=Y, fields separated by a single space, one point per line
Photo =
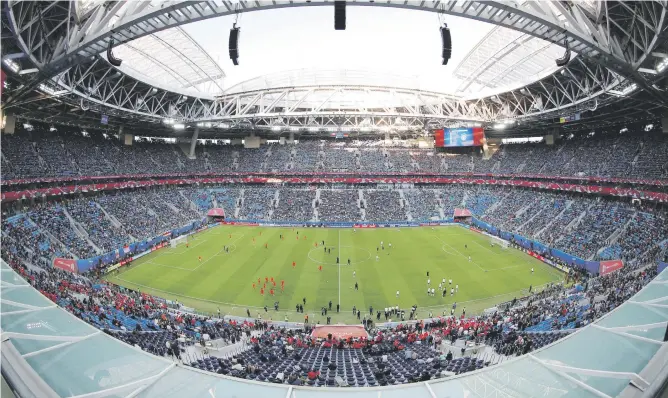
x=464 y=136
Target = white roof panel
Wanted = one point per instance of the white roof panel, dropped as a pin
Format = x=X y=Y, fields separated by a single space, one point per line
x=173 y=59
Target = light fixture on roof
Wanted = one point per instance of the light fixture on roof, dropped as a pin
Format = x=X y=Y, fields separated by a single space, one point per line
x=179 y=126
x=662 y=65
x=12 y=65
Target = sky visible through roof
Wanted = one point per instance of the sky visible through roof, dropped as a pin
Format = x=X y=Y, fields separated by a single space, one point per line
x=377 y=39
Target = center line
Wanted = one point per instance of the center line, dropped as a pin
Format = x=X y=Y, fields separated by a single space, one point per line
x=339 y=266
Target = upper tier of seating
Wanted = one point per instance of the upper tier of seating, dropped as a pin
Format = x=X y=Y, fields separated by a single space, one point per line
x=43 y=153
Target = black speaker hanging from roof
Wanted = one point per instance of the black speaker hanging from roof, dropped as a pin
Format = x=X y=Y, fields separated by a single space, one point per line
x=339 y=15
x=234 y=44
x=446 y=42
x=110 y=56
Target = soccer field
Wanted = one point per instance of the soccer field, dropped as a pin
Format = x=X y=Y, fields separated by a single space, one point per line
x=225 y=279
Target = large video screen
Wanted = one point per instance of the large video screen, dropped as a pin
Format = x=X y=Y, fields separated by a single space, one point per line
x=464 y=136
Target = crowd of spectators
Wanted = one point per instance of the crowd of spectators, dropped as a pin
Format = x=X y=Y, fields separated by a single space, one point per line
x=294 y=204
x=280 y=158
x=41 y=152
x=560 y=224
x=227 y=198
x=383 y=205
x=23 y=241
x=450 y=198
x=551 y=206
x=596 y=227
x=256 y=204
x=101 y=231
x=338 y=205
x=52 y=219
x=585 y=226
x=372 y=159
x=421 y=203
x=251 y=159
x=337 y=157
x=402 y=354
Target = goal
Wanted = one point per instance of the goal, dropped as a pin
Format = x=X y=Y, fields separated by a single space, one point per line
x=177 y=241
x=494 y=241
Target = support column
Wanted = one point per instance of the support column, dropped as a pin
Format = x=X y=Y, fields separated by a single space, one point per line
x=193 y=142
x=291 y=138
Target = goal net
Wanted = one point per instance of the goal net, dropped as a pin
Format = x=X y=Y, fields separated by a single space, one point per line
x=494 y=241
x=177 y=241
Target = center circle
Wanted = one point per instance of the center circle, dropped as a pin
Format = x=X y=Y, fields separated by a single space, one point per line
x=357 y=255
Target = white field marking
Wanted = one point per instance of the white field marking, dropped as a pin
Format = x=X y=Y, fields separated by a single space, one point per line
x=237 y=305
x=167 y=266
x=221 y=250
x=182 y=250
x=339 y=265
x=499 y=254
x=489 y=250
x=487 y=298
x=187 y=269
x=447 y=251
x=232 y=247
x=351 y=263
x=501 y=269
x=460 y=253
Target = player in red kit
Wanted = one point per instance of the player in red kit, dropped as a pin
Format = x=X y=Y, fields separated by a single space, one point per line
x=253 y=285
x=320 y=268
x=262 y=292
x=271 y=292
x=294 y=264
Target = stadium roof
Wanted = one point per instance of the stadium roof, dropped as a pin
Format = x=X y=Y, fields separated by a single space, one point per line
x=49 y=352
x=505 y=59
x=171 y=58
x=280 y=43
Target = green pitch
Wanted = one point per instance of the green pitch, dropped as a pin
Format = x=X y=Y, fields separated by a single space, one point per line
x=224 y=279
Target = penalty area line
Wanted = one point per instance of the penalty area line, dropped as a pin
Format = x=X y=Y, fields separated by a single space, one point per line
x=460 y=253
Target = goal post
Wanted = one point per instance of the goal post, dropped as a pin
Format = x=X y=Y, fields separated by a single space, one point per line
x=177 y=241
